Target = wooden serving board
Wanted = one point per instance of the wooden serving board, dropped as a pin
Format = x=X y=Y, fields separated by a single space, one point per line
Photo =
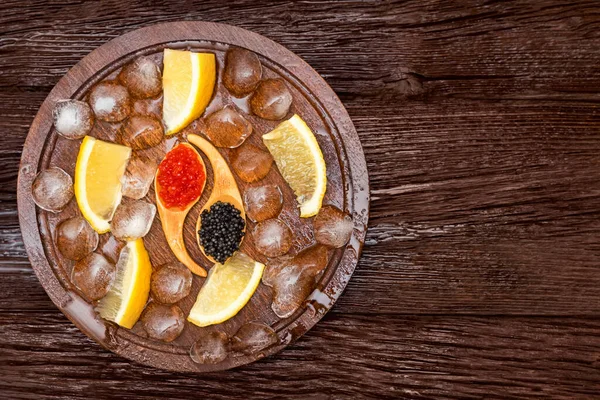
x=314 y=101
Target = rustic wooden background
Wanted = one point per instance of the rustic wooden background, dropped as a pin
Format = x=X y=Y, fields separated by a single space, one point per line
x=480 y=276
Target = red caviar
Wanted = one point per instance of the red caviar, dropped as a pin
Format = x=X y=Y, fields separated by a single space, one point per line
x=181 y=177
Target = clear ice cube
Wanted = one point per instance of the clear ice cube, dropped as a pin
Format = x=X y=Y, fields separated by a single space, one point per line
x=272 y=238
x=170 y=283
x=253 y=337
x=291 y=285
x=242 y=71
x=75 y=238
x=141 y=132
x=93 y=276
x=52 y=189
x=163 y=322
x=271 y=100
x=312 y=259
x=210 y=349
x=132 y=220
x=250 y=162
x=138 y=177
x=73 y=119
x=293 y=278
x=332 y=226
x=110 y=102
x=142 y=77
x=227 y=128
x=263 y=202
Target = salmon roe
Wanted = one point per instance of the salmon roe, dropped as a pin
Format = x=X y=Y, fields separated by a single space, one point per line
x=181 y=177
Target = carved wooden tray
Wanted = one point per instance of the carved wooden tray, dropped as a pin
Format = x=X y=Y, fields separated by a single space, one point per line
x=314 y=101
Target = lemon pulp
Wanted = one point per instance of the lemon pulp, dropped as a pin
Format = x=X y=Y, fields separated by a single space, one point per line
x=227 y=289
x=188 y=83
x=98 y=172
x=299 y=159
x=127 y=297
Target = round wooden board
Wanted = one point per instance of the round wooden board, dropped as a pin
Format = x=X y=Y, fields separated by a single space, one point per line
x=314 y=101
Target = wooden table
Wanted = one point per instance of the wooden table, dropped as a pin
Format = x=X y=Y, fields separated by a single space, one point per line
x=480 y=276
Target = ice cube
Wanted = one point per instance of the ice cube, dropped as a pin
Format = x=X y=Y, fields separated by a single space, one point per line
x=163 y=322
x=73 y=119
x=75 y=238
x=132 y=220
x=210 y=349
x=52 y=189
x=272 y=237
x=253 y=337
x=250 y=162
x=111 y=247
x=141 y=132
x=313 y=259
x=271 y=100
x=332 y=226
x=142 y=77
x=263 y=202
x=291 y=285
x=171 y=283
x=138 y=177
x=110 y=102
x=242 y=71
x=227 y=128
x=93 y=275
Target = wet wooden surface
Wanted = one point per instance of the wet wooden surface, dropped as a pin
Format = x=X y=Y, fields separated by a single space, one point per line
x=480 y=277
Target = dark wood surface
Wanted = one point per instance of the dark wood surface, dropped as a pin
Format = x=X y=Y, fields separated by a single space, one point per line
x=480 y=276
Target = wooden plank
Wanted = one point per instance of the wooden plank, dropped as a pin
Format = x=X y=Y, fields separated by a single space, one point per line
x=43 y=356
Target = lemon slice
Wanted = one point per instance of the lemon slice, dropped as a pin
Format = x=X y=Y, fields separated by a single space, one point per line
x=98 y=172
x=188 y=83
x=127 y=297
x=227 y=289
x=300 y=161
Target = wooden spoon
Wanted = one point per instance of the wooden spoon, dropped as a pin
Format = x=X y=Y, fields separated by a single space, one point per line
x=172 y=223
x=225 y=188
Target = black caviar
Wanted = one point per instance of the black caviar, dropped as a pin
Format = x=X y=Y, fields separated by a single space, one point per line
x=221 y=230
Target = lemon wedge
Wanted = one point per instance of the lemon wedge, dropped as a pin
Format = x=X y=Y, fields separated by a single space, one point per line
x=127 y=297
x=188 y=83
x=98 y=172
x=227 y=289
x=300 y=160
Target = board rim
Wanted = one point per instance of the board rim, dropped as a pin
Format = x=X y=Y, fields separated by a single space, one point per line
x=133 y=42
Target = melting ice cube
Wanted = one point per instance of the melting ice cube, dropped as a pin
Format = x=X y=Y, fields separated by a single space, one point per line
x=332 y=226
x=271 y=100
x=132 y=220
x=110 y=102
x=163 y=322
x=171 y=283
x=210 y=349
x=52 y=189
x=142 y=77
x=93 y=275
x=272 y=237
x=73 y=119
x=75 y=238
x=263 y=202
x=242 y=71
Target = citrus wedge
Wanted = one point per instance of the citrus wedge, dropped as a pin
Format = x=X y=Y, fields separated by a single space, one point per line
x=188 y=83
x=227 y=289
x=300 y=161
x=127 y=297
x=98 y=172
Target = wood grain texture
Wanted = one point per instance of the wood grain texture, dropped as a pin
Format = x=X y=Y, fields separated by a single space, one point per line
x=480 y=124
